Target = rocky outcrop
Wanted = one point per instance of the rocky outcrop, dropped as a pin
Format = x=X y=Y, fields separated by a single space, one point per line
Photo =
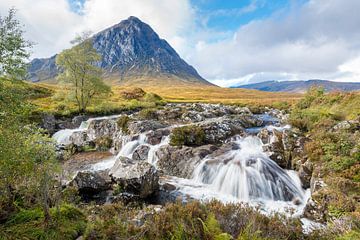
x=139 y=178
x=137 y=127
x=218 y=130
x=129 y=50
x=181 y=161
x=90 y=183
x=155 y=137
x=283 y=146
x=101 y=128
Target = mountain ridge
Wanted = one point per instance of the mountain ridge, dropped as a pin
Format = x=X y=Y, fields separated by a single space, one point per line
x=130 y=49
x=301 y=86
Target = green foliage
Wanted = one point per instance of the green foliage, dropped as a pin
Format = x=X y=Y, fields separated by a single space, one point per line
x=148 y=113
x=191 y=135
x=13 y=47
x=81 y=73
x=123 y=123
x=69 y=223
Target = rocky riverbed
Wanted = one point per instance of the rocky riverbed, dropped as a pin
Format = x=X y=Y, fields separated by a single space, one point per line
x=190 y=151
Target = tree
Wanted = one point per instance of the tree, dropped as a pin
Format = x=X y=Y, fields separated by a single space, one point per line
x=13 y=47
x=80 y=71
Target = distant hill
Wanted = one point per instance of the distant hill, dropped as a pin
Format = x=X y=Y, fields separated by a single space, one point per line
x=130 y=51
x=301 y=86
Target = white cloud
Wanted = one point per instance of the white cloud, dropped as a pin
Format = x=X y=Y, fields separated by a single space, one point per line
x=320 y=39
x=314 y=41
x=52 y=24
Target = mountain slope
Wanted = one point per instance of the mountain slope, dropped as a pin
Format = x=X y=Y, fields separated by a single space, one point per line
x=129 y=50
x=301 y=86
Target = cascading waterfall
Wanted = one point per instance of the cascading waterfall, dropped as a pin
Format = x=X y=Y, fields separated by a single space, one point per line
x=62 y=137
x=247 y=174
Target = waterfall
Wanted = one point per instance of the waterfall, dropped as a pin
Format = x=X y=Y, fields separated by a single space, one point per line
x=248 y=173
x=63 y=136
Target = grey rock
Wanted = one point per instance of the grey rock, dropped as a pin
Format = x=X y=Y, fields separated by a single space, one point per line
x=181 y=161
x=155 y=137
x=90 y=183
x=141 y=152
x=136 y=177
x=137 y=127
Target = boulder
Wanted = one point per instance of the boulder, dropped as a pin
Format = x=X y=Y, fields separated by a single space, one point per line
x=305 y=174
x=77 y=120
x=49 y=123
x=141 y=152
x=137 y=127
x=155 y=137
x=219 y=130
x=136 y=177
x=283 y=146
x=101 y=128
x=181 y=161
x=90 y=183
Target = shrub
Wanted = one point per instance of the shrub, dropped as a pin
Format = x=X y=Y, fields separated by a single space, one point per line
x=103 y=143
x=134 y=93
x=148 y=113
x=152 y=97
x=123 y=123
x=188 y=135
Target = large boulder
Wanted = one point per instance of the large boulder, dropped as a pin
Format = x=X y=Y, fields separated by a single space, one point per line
x=49 y=123
x=181 y=161
x=283 y=146
x=101 y=128
x=141 y=152
x=139 y=178
x=220 y=129
x=90 y=183
x=305 y=173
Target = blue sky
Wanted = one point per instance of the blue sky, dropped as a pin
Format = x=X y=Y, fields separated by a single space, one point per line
x=229 y=42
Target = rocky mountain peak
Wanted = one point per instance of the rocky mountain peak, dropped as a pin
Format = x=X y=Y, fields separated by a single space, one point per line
x=130 y=50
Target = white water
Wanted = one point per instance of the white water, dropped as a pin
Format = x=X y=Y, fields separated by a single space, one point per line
x=63 y=136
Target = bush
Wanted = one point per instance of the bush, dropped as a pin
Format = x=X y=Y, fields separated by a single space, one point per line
x=123 y=123
x=134 y=93
x=148 y=113
x=188 y=135
x=103 y=143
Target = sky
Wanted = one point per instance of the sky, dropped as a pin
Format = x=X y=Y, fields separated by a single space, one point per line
x=230 y=42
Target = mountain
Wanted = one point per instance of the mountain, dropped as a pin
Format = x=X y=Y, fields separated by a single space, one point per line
x=130 y=51
x=301 y=86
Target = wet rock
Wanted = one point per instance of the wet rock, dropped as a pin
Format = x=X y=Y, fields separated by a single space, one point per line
x=170 y=113
x=181 y=161
x=49 y=123
x=79 y=138
x=77 y=120
x=283 y=146
x=136 y=177
x=137 y=127
x=90 y=183
x=141 y=153
x=193 y=116
x=155 y=137
x=265 y=135
x=101 y=128
x=305 y=174
x=315 y=211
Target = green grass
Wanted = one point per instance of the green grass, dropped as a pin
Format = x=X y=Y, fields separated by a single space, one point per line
x=67 y=223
